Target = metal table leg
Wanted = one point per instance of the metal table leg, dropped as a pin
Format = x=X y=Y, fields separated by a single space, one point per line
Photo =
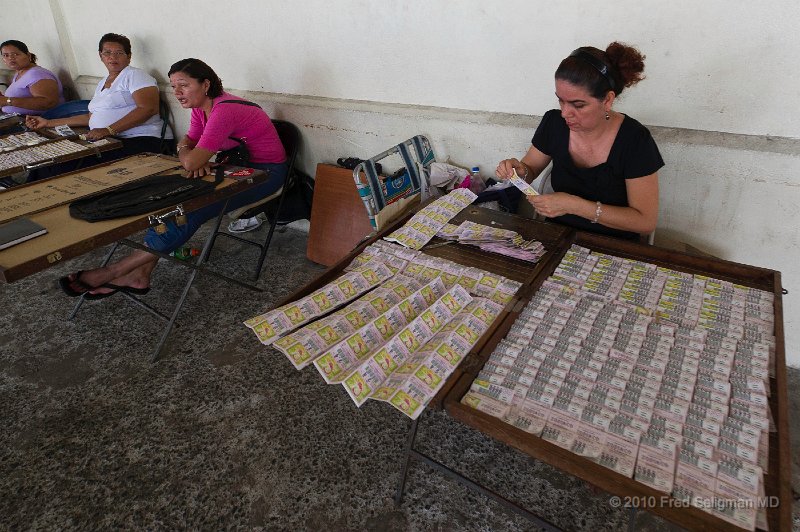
x=401 y=485
x=412 y=453
x=200 y=260
x=82 y=298
x=171 y=320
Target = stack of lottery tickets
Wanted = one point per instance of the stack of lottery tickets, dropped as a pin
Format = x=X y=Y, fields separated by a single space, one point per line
x=37 y=154
x=21 y=140
x=393 y=328
x=494 y=240
x=657 y=374
x=424 y=225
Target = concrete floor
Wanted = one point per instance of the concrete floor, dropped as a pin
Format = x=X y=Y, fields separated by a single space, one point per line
x=223 y=432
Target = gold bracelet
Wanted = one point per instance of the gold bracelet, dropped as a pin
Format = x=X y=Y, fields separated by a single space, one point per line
x=111 y=130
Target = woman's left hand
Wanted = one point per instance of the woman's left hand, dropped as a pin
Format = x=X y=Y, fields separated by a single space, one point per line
x=97 y=133
x=555 y=204
x=200 y=172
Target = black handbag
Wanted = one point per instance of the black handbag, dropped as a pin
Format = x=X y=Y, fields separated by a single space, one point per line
x=238 y=156
x=142 y=196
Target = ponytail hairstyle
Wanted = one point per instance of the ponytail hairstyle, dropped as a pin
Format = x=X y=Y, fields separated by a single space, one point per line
x=620 y=66
x=21 y=46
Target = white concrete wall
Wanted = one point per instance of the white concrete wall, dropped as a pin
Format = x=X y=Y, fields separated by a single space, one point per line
x=358 y=76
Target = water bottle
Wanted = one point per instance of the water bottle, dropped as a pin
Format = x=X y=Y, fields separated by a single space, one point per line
x=476 y=183
x=185 y=253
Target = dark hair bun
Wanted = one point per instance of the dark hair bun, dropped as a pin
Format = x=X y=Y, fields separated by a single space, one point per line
x=628 y=61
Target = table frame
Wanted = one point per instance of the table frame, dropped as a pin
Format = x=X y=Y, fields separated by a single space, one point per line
x=777 y=478
x=118 y=237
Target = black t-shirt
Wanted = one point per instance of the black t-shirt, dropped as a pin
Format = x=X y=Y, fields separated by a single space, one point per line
x=633 y=154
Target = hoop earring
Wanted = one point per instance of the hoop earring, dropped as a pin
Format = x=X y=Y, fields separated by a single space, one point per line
x=608 y=117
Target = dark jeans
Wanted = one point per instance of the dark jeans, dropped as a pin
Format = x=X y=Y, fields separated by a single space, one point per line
x=177 y=235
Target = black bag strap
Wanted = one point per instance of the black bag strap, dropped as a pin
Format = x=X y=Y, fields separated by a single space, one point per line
x=240 y=102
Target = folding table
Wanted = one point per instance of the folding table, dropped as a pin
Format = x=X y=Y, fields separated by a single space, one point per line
x=46 y=202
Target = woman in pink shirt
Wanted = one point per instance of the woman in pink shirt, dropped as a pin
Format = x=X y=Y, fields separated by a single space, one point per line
x=218 y=118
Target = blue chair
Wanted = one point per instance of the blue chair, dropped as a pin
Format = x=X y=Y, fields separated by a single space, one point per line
x=67 y=109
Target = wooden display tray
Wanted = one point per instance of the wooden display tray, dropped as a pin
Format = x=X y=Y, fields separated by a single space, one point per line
x=777 y=478
x=69 y=237
x=90 y=149
x=10 y=123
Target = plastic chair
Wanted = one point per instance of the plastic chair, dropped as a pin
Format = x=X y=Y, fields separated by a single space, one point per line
x=67 y=109
x=290 y=138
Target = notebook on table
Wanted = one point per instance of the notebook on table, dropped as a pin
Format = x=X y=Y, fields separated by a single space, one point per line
x=19 y=230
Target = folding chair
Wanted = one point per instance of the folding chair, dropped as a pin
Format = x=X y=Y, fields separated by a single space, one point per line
x=290 y=137
x=377 y=192
x=167 y=146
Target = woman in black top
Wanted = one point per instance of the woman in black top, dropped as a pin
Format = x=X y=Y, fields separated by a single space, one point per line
x=605 y=163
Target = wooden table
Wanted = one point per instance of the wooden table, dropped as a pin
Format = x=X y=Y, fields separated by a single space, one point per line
x=777 y=477
x=557 y=241
x=88 y=149
x=47 y=203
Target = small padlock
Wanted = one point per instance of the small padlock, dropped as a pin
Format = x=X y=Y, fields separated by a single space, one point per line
x=180 y=219
x=161 y=229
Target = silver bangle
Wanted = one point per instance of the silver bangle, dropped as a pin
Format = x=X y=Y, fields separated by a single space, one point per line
x=598 y=212
x=179 y=148
x=527 y=170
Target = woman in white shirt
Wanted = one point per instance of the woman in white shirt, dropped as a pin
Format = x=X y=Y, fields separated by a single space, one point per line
x=124 y=105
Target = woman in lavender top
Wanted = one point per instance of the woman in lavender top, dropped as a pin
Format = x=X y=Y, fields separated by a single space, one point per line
x=33 y=89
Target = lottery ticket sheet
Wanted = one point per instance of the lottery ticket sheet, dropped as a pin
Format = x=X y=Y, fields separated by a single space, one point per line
x=306 y=344
x=659 y=375
x=21 y=140
x=37 y=154
x=414 y=383
x=423 y=267
x=272 y=325
x=371 y=374
x=523 y=185
x=345 y=356
x=424 y=225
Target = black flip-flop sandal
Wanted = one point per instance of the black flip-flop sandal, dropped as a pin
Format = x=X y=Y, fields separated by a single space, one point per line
x=65 y=283
x=94 y=297
x=127 y=289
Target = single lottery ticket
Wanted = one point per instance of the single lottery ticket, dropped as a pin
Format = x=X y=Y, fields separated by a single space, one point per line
x=523 y=185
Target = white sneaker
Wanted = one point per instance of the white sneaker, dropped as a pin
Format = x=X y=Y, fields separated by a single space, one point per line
x=244 y=225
